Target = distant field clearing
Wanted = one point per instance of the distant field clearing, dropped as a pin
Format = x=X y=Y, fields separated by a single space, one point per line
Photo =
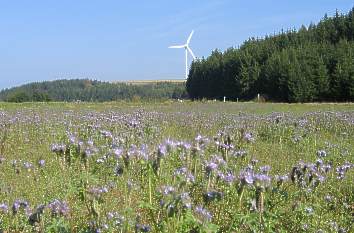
x=142 y=82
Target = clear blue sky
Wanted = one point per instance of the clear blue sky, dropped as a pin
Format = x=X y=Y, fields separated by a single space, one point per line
x=127 y=40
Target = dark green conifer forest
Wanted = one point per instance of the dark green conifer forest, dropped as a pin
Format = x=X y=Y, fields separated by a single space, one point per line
x=92 y=90
x=314 y=63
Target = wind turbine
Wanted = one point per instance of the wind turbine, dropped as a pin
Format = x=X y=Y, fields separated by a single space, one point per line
x=187 y=49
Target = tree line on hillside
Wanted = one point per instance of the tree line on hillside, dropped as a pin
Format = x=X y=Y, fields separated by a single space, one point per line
x=92 y=90
x=314 y=63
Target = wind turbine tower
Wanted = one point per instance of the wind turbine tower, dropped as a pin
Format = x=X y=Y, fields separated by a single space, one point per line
x=187 y=49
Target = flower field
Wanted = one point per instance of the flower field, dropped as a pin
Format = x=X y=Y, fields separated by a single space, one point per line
x=176 y=167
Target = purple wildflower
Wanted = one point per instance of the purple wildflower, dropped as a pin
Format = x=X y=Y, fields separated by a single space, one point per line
x=325 y=168
x=185 y=145
x=203 y=213
x=246 y=177
x=319 y=162
x=118 y=153
x=184 y=173
x=210 y=167
x=58 y=148
x=142 y=228
x=198 y=138
x=265 y=169
x=72 y=139
x=4 y=208
x=133 y=123
x=281 y=179
x=20 y=204
x=41 y=163
x=321 y=153
x=162 y=150
x=239 y=153
x=262 y=180
x=248 y=137
x=201 y=140
x=309 y=210
x=170 y=145
x=328 y=198
x=227 y=178
x=166 y=190
x=117 y=219
x=341 y=170
x=106 y=134
x=219 y=160
x=27 y=165
x=98 y=192
x=58 y=208
x=186 y=200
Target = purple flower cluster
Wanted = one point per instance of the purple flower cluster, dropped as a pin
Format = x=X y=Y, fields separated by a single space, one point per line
x=97 y=192
x=249 y=177
x=321 y=153
x=281 y=179
x=309 y=174
x=239 y=153
x=27 y=165
x=262 y=180
x=106 y=134
x=116 y=218
x=162 y=150
x=58 y=208
x=226 y=177
x=4 y=208
x=203 y=213
x=343 y=169
x=87 y=149
x=141 y=153
x=264 y=169
x=117 y=152
x=185 y=200
x=21 y=204
x=41 y=163
x=58 y=148
x=185 y=174
x=142 y=228
x=174 y=202
x=201 y=142
x=249 y=137
x=210 y=167
x=166 y=190
x=246 y=177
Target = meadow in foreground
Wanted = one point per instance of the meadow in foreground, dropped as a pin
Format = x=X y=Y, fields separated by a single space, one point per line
x=176 y=167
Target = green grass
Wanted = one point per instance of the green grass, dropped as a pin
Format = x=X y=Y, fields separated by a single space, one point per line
x=283 y=135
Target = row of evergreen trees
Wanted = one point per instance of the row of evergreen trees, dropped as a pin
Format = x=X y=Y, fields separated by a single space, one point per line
x=311 y=64
x=92 y=90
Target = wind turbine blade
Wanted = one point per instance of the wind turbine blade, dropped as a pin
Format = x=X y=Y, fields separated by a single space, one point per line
x=191 y=52
x=176 y=47
x=190 y=37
